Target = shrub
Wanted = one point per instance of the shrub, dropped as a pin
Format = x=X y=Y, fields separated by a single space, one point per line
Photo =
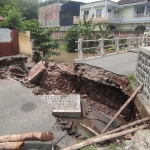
x=43 y=42
x=140 y=27
x=12 y=19
x=111 y=27
x=71 y=36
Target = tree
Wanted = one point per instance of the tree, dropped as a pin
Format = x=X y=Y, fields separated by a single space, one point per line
x=87 y=28
x=47 y=2
x=71 y=36
x=43 y=42
x=12 y=3
x=104 y=34
x=12 y=18
x=28 y=8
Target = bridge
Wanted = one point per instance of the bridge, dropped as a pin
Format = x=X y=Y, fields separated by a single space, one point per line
x=122 y=61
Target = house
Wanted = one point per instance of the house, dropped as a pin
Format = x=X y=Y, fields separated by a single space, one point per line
x=1 y=18
x=58 y=14
x=125 y=14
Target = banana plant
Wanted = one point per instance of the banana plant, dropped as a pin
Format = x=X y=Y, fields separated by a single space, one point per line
x=86 y=28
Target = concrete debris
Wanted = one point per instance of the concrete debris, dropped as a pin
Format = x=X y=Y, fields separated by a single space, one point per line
x=140 y=141
x=59 y=78
x=14 y=69
x=36 y=72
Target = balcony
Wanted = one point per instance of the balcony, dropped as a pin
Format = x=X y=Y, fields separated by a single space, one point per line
x=114 y=18
x=137 y=18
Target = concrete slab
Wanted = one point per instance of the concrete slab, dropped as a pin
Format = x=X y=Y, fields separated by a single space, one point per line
x=21 y=112
x=123 y=63
x=64 y=105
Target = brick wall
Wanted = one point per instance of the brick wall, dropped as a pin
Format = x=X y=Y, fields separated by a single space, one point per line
x=121 y=34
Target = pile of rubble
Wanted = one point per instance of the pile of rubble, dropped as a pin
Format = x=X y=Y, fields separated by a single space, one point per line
x=13 y=67
x=104 y=87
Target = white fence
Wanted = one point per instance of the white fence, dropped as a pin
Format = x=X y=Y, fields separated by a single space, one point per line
x=118 y=45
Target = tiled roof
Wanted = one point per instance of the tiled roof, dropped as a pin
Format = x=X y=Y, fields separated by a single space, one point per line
x=129 y=1
x=1 y=18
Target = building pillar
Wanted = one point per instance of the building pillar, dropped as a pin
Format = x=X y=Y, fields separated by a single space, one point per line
x=92 y=9
x=80 y=16
x=133 y=14
x=105 y=7
x=145 y=10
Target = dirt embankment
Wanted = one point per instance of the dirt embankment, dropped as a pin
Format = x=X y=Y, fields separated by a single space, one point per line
x=103 y=90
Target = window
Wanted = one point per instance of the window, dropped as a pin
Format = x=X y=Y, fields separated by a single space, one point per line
x=51 y=16
x=98 y=12
x=116 y=12
x=109 y=10
x=86 y=13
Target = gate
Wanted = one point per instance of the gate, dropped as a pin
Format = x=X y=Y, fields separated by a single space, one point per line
x=9 y=42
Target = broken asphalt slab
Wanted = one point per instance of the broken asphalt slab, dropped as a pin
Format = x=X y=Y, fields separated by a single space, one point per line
x=22 y=112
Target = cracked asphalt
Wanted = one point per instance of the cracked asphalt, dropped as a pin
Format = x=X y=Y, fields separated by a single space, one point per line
x=21 y=112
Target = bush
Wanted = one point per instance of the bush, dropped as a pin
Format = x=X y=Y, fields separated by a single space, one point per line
x=71 y=36
x=43 y=42
x=12 y=20
x=111 y=27
x=140 y=27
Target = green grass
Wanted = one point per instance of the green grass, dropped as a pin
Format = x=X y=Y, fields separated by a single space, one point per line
x=113 y=147
x=90 y=147
x=62 y=47
x=131 y=80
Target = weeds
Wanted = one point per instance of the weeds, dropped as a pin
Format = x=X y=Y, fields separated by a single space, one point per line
x=90 y=147
x=131 y=80
x=62 y=47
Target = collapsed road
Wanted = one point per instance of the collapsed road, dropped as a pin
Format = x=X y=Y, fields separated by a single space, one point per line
x=106 y=92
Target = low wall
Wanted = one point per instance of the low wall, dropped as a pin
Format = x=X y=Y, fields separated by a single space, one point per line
x=121 y=34
x=25 y=43
x=142 y=73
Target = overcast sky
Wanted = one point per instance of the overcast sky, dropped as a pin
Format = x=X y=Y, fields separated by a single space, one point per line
x=87 y=1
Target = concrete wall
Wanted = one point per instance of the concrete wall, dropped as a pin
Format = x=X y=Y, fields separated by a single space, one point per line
x=127 y=12
x=142 y=73
x=25 y=43
x=124 y=26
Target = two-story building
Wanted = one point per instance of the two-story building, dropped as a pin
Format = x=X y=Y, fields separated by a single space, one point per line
x=58 y=14
x=126 y=14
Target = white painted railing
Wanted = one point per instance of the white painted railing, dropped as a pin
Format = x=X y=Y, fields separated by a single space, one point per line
x=128 y=44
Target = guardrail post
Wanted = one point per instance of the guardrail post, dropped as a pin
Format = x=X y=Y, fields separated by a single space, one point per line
x=101 y=44
x=80 y=52
x=129 y=43
x=117 y=44
x=139 y=41
x=146 y=41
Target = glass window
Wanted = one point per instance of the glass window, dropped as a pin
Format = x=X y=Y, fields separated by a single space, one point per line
x=86 y=13
x=116 y=12
x=98 y=12
x=109 y=10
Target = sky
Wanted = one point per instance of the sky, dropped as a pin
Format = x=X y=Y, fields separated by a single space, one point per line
x=87 y=1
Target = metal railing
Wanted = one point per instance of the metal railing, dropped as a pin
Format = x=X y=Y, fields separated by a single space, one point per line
x=118 y=45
